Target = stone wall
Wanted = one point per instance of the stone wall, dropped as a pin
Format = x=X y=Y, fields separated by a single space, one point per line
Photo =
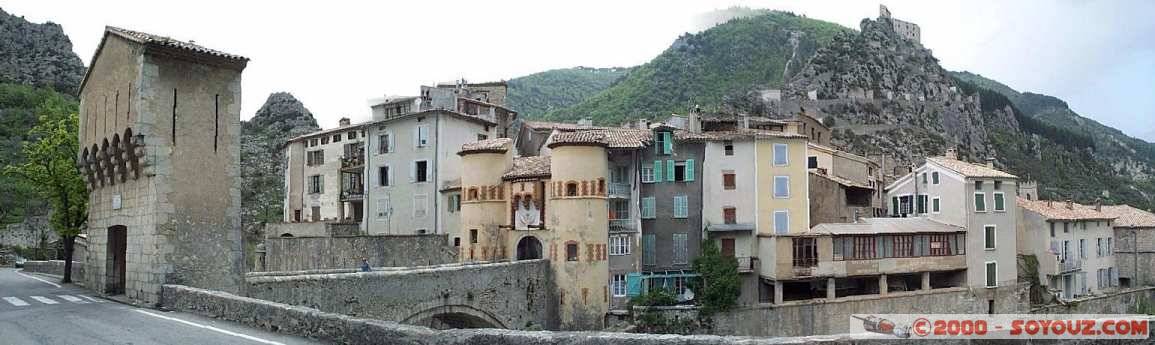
x=342 y=329
x=55 y=267
x=1121 y=302
x=514 y=295
x=1126 y=257
x=28 y=233
x=313 y=253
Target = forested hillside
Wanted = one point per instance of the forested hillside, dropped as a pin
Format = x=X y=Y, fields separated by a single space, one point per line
x=539 y=93
x=727 y=60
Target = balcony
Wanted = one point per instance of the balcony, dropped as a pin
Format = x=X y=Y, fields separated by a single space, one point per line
x=1070 y=264
x=623 y=225
x=353 y=162
x=804 y=271
x=746 y=263
x=352 y=195
x=619 y=190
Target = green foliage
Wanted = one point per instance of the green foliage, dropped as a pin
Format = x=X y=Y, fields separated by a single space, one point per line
x=704 y=68
x=720 y=284
x=536 y=94
x=1029 y=272
x=19 y=106
x=653 y=322
x=654 y=297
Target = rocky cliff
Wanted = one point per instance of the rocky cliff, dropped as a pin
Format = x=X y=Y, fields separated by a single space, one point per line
x=281 y=118
x=38 y=54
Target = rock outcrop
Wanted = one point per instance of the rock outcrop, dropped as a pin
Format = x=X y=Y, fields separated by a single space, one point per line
x=281 y=118
x=38 y=54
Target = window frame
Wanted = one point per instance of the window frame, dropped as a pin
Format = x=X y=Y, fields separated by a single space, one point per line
x=785 y=155
x=731 y=177
x=620 y=245
x=652 y=209
x=995 y=202
x=975 y=202
x=619 y=287
x=681 y=209
x=934 y=178
x=774 y=222
x=417 y=136
x=990 y=236
x=572 y=252
x=774 y=191
x=384 y=178
x=647 y=172
x=416 y=170
x=991 y=279
x=385 y=143
x=935 y=205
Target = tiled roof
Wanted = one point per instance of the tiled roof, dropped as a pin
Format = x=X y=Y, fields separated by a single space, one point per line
x=969 y=169
x=451 y=184
x=741 y=133
x=557 y=125
x=1057 y=210
x=528 y=167
x=867 y=226
x=627 y=138
x=1130 y=217
x=739 y=118
x=169 y=42
x=840 y=180
x=595 y=137
x=488 y=145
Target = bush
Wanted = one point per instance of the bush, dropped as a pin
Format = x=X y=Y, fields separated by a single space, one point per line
x=720 y=285
x=655 y=297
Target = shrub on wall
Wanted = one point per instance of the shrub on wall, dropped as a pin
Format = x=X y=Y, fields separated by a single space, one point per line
x=720 y=285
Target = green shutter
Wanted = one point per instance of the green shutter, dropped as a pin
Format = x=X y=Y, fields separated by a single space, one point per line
x=667 y=143
x=658 y=171
x=689 y=170
x=670 y=170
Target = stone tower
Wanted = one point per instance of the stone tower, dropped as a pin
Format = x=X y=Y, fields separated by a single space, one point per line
x=483 y=205
x=578 y=219
x=160 y=139
x=1028 y=189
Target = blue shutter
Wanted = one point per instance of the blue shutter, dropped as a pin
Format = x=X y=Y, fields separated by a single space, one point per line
x=658 y=171
x=633 y=284
x=670 y=170
x=689 y=170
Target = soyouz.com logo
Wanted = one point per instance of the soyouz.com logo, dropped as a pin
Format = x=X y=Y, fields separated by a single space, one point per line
x=1004 y=326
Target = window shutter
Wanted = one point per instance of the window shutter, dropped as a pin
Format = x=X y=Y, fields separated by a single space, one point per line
x=670 y=170
x=391 y=144
x=689 y=170
x=667 y=144
x=417 y=136
x=412 y=171
x=658 y=171
x=633 y=284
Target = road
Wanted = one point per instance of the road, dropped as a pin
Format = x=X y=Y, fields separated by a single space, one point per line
x=36 y=309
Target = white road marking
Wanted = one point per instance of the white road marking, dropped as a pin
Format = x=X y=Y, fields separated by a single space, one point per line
x=211 y=328
x=42 y=280
x=72 y=299
x=16 y=301
x=44 y=300
x=92 y=299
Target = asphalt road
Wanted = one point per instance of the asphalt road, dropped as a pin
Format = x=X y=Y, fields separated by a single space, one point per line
x=41 y=311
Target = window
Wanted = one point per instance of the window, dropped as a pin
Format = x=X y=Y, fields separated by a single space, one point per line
x=922 y=203
x=315 y=157
x=383 y=176
x=313 y=142
x=481 y=137
x=860 y=247
x=989 y=237
x=1000 y=203
x=385 y=143
x=1110 y=250
x=421 y=136
x=812 y=162
x=1083 y=248
x=670 y=171
x=571 y=189
x=1083 y=225
x=571 y=251
x=649 y=250
x=903 y=246
x=1052 y=228
x=454 y=203
x=980 y=202
x=992 y=274
x=998 y=185
x=924 y=178
x=781 y=186
x=681 y=256
x=620 y=245
x=648 y=207
x=805 y=252
x=457 y=241
x=1112 y=280
x=934 y=177
x=680 y=171
x=383 y=208
x=337 y=138
x=1066 y=250
x=729 y=148
x=978 y=185
x=619 y=209
x=729 y=215
x=316 y=184
x=647 y=174
x=1066 y=227
x=473 y=236
x=658 y=170
x=729 y=180
x=935 y=205
x=324 y=140
x=420 y=172
x=781 y=222
x=939 y=245
x=681 y=206
x=663 y=143
x=618 y=285
x=353 y=135
x=780 y=154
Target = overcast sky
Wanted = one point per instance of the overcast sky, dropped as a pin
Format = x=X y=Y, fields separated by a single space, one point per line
x=1099 y=56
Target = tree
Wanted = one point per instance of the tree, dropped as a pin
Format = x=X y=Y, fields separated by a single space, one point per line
x=720 y=284
x=50 y=169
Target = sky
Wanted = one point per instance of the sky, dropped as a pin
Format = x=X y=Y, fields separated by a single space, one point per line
x=336 y=56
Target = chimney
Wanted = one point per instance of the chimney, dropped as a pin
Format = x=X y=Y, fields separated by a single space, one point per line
x=1070 y=204
x=745 y=121
x=991 y=162
x=344 y=121
x=1050 y=203
x=694 y=124
x=1098 y=205
x=951 y=154
x=643 y=124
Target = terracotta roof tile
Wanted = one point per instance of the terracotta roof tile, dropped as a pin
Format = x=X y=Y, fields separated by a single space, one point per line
x=742 y=133
x=867 y=226
x=969 y=169
x=165 y=41
x=1057 y=210
x=488 y=145
x=1130 y=217
x=528 y=167
x=558 y=125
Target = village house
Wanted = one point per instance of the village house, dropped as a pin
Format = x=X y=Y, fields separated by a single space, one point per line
x=1134 y=247
x=1069 y=241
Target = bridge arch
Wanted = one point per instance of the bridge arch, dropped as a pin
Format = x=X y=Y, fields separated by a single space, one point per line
x=454 y=316
x=529 y=248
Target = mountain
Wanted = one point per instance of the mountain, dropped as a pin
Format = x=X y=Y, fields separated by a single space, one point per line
x=728 y=60
x=1149 y=136
x=38 y=54
x=281 y=118
x=538 y=93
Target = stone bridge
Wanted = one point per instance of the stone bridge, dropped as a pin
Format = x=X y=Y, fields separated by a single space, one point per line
x=511 y=295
